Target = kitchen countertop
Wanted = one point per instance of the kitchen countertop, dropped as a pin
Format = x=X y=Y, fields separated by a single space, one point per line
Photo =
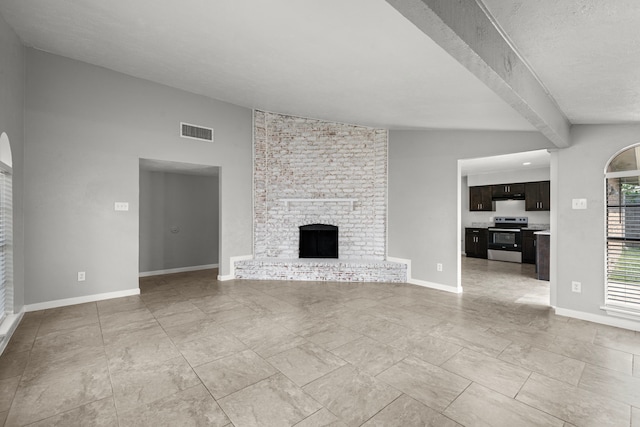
x=481 y=224
x=543 y=233
x=537 y=227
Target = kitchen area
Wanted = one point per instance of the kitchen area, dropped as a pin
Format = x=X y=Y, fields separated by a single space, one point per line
x=505 y=214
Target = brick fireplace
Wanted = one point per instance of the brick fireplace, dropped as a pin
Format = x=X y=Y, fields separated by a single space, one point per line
x=310 y=171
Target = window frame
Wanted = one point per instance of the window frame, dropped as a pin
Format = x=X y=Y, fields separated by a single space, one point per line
x=613 y=307
x=6 y=240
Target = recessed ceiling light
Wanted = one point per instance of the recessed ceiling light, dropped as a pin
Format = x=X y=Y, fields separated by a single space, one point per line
x=526 y=163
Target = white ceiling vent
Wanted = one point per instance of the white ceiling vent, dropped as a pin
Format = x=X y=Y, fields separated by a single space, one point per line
x=200 y=133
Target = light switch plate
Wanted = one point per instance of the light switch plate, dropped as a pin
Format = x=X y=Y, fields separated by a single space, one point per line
x=121 y=206
x=576 y=287
x=579 y=204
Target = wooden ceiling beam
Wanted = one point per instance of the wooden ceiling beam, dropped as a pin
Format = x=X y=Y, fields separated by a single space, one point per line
x=466 y=31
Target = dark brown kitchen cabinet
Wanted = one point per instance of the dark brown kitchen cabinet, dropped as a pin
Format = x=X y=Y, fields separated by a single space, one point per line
x=508 y=191
x=537 y=196
x=480 y=199
x=475 y=242
x=528 y=247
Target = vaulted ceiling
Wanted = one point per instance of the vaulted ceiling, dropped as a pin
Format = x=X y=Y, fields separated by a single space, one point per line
x=396 y=64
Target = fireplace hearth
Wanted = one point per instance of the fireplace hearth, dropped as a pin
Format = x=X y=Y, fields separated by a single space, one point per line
x=318 y=241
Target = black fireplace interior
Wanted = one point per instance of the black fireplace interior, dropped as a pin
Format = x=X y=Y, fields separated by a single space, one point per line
x=318 y=241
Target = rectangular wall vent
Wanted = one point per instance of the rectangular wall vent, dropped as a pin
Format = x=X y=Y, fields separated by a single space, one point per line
x=200 y=133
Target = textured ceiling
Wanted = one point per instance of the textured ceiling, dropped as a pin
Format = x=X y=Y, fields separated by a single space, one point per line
x=508 y=162
x=356 y=61
x=586 y=52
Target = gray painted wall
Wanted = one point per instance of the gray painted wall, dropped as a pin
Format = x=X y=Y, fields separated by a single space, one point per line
x=188 y=202
x=424 y=193
x=12 y=92
x=87 y=128
x=580 y=240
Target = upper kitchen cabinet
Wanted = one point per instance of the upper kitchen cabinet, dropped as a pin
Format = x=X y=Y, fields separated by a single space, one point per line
x=508 y=191
x=537 y=196
x=480 y=199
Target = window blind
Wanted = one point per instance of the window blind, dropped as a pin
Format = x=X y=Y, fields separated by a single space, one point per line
x=623 y=242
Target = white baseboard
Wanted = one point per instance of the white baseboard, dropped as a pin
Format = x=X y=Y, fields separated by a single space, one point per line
x=432 y=285
x=80 y=300
x=232 y=267
x=437 y=286
x=8 y=327
x=177 y=270
x=598 y=318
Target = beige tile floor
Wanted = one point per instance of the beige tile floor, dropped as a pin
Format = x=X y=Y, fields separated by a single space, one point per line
x=193 y=351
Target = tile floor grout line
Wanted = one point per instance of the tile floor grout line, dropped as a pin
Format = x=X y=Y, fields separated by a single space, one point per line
x=449 y=358
x=386 y=406
x=214 y=399
x=533 y=407
x=247 y=386
x=104 y=350
x=458 y=396
x=522 y=386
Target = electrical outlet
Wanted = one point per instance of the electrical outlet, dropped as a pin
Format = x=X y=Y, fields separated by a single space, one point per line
x=439 y=266
x=579 y=204
x=121 y=206
x=81 y=276
x=576 y=287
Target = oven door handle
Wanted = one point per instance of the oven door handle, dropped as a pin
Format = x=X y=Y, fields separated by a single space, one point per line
x=509 y=230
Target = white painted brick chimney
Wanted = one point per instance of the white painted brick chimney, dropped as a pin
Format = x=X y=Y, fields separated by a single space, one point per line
x=310 y=160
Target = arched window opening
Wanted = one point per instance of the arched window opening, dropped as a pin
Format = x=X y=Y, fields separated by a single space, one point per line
x=623 y=231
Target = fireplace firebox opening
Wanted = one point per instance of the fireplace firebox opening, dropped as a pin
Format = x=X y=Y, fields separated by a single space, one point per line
x=318 y=241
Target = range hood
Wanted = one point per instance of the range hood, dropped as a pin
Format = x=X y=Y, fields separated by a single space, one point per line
x=515 y=196
x=508 y=191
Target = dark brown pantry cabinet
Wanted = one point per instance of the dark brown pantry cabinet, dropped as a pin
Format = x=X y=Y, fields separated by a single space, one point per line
x=537 y=196
x=475 y=242
x=480 y=199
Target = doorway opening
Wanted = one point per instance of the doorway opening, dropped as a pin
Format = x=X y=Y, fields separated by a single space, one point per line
x=506 y=195
x=179 y=217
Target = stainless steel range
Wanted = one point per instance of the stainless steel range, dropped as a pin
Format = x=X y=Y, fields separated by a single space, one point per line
x=505 y=238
